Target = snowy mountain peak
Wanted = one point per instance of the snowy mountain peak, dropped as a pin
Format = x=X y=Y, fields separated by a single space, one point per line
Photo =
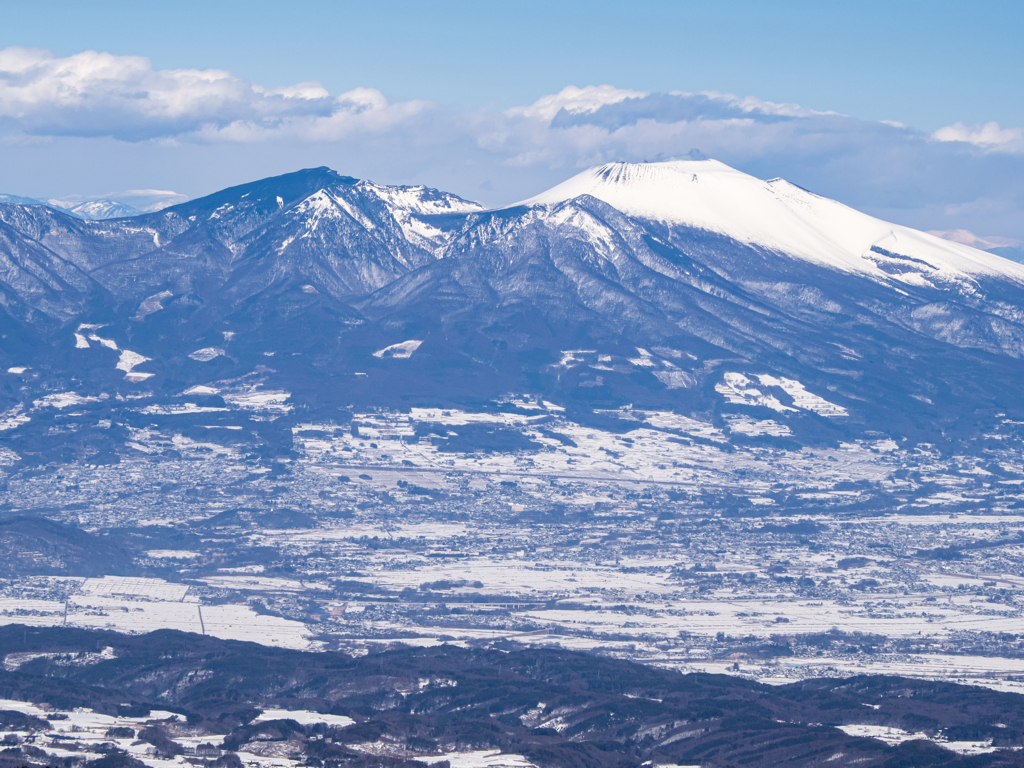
x=97 y=210
x=420 y=200
x=90 y=210
x=779 y=216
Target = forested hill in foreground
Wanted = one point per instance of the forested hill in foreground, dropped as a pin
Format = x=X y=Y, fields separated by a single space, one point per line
x=412 y=706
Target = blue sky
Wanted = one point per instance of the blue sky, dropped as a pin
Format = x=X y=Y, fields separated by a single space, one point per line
x=909 y=110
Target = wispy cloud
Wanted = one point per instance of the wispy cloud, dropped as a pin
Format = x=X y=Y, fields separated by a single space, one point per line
x=988 y=136
x=575 y=101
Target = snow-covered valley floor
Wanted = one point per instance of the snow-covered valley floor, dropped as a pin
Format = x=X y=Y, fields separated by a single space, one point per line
x=664 y=543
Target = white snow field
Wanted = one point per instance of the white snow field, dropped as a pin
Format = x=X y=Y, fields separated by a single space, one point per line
x=139 y=605
x=121 y=586
x=487 y=758
x=206 y=354
x=403 y=350
x=305 y=717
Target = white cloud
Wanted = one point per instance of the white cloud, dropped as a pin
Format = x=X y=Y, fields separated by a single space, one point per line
x=100 y=94
x=753 y=104
x=360 y=111
x=988 y=136
x=575 y=101
x=966 y=237
x=308 y=90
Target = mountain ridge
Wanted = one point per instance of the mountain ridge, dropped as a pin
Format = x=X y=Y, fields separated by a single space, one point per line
x=329 y=270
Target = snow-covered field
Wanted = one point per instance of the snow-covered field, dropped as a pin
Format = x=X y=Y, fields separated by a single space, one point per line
x=145 y=605
x=660 y=541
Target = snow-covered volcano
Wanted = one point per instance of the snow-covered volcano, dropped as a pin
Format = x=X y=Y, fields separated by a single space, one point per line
x=780 y=216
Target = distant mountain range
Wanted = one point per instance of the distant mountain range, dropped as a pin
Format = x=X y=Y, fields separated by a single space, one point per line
x=684 y=285
x=91 y=210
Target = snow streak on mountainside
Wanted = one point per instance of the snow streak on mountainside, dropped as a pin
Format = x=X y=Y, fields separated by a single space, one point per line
x=777 y=215
x=90 y=210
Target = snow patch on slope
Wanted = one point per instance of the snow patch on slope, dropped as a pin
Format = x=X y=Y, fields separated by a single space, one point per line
x=304 y=717
x=739 y=390
x=676 y=379
x=757 y=428
x=108 y=343
x=13 y=418
x=402 y=351
x=802 y=398
x=255 y=399
x=201 y=389
x=127 y=363
x=61 y=400
x=152 y=304
x=206 y=354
